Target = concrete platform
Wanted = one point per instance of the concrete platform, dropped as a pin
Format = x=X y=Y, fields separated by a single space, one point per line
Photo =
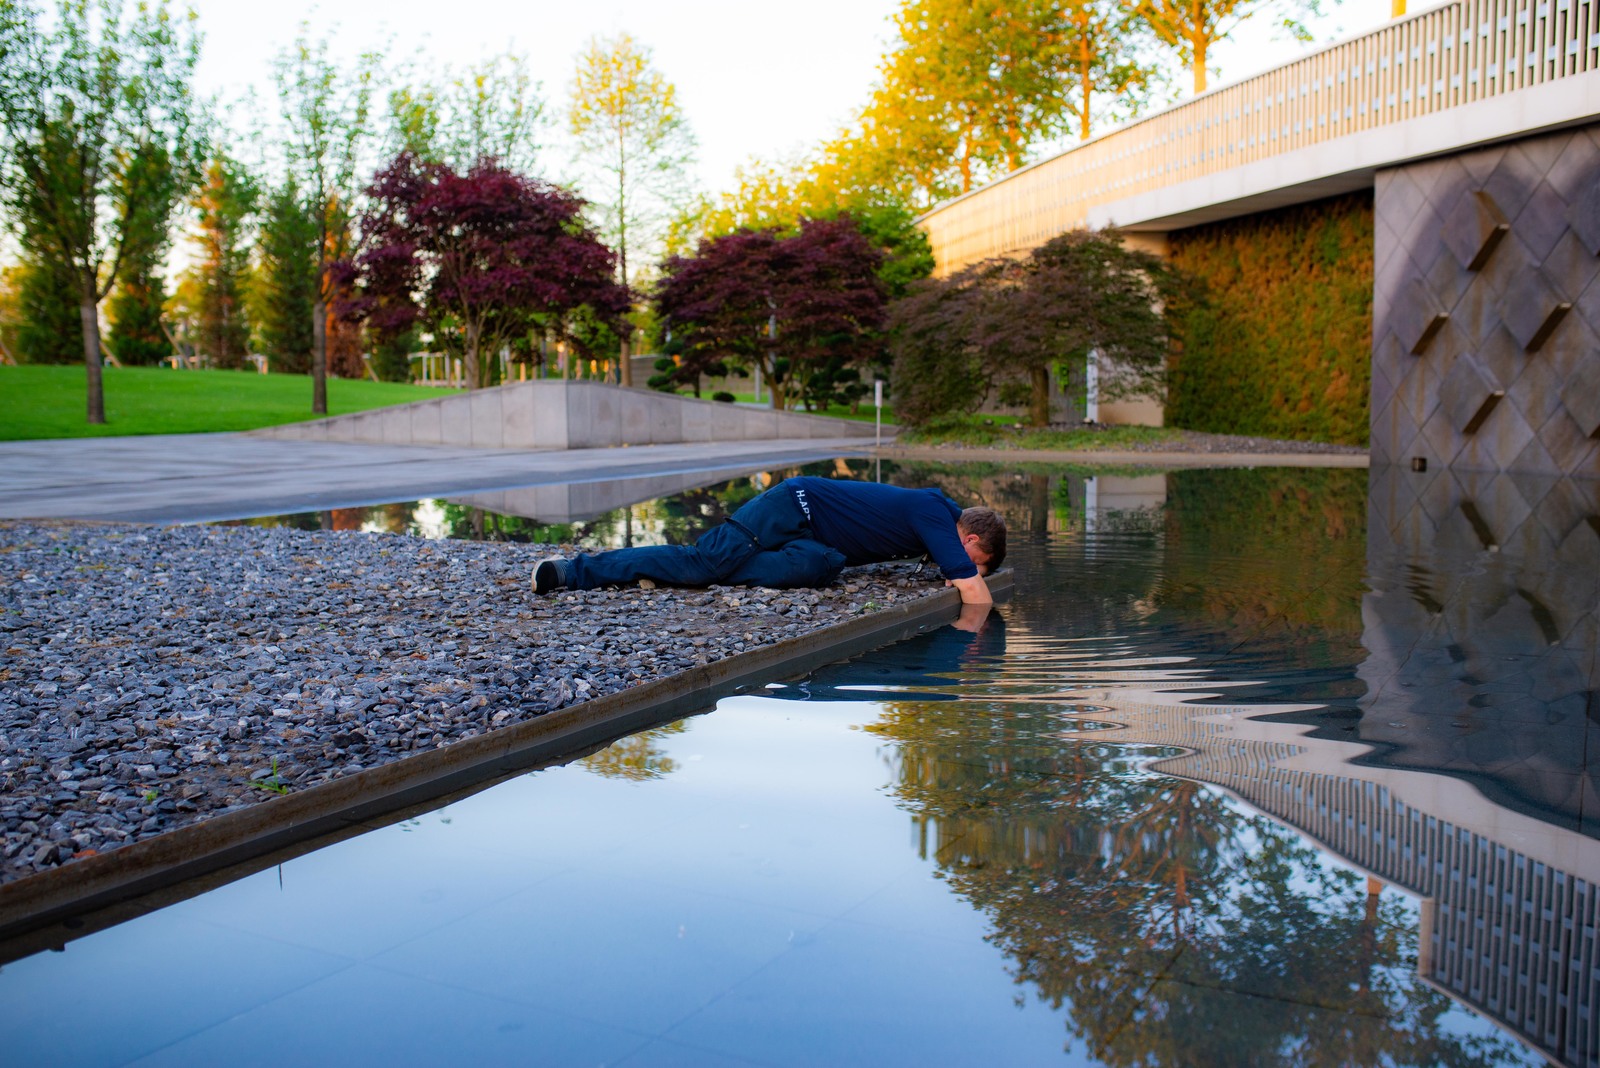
x=562 y=414
x=192 y=478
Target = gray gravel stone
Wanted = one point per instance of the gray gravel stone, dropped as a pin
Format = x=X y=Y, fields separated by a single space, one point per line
x=150 y=678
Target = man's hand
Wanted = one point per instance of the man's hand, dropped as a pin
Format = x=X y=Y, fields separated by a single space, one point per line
x=973 y=590
x=973 y=617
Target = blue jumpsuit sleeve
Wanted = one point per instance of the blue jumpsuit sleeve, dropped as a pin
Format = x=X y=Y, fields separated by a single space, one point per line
x=935 y=526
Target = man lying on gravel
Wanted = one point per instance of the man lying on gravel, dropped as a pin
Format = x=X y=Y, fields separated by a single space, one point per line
x=802 y=532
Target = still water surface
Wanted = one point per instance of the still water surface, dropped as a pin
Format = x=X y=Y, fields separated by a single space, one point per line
x=1258 y=767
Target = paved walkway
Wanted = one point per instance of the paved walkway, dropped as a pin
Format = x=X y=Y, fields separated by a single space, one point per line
x=188 y=478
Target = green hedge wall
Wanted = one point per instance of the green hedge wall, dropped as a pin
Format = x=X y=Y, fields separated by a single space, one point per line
x=1281 y=346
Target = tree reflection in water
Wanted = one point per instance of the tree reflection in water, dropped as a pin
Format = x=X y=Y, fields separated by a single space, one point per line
x=1170 y=923
x=637 y=757
x=1144 y=905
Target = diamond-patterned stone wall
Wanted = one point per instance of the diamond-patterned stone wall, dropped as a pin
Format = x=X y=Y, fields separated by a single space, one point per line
x=1481 y=622
x=1486 y=309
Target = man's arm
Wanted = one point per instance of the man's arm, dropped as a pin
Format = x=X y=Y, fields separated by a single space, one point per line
x=973 y=617
x=973 y=590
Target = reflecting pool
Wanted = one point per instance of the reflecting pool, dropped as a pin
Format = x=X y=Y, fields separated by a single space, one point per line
x=1257 y=767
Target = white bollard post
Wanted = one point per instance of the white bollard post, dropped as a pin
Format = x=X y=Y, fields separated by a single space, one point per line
x=877 y=404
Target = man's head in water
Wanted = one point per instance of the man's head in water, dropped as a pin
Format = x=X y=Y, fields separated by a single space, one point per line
x=983 y=536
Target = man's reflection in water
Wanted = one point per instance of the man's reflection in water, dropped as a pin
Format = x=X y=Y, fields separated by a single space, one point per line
x=932 y=664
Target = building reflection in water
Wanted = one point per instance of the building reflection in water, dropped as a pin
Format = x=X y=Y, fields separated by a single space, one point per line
x=1415 y=693
x=1482 y=628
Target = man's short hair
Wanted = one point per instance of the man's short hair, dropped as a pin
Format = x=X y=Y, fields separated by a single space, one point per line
x=991 y=531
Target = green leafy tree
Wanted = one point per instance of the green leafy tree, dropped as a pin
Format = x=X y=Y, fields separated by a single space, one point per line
x=281 y=294
x=137 y=336
x=225 y=204
x=974 y=82
x=48 y=328
x=965 y=94
x=391 y=356
x=10 y=312
x=325 y=110
x=98 y=123
x=489 y=110
x=636 y=145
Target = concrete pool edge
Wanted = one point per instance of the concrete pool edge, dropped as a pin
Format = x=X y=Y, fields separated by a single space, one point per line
x=34 y=909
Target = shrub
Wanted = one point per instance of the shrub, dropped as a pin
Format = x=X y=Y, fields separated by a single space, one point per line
x=1282 y=346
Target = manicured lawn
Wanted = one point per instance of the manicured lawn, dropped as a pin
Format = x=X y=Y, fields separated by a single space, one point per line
x=866 y=413
x=49 y=402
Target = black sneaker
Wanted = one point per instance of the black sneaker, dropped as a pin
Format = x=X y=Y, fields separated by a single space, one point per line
x=549 y=574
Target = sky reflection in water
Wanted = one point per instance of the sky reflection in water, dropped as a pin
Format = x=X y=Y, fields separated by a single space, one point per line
x=1088 y=834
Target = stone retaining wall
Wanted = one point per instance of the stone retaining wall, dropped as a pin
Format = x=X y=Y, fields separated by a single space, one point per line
x=559 y=414
x=1486 y=315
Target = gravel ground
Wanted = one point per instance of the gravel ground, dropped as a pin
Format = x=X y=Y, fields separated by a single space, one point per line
x=150 y=677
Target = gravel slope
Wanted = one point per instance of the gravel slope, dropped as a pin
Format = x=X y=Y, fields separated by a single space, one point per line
x=150 y=677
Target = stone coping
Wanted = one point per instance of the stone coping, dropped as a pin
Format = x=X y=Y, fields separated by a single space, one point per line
x=48 y=909
x=1124 y=457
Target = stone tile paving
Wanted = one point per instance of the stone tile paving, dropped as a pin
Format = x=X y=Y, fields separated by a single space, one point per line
x=151 y=677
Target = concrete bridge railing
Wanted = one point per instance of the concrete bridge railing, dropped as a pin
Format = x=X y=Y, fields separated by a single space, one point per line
x=1465 y=73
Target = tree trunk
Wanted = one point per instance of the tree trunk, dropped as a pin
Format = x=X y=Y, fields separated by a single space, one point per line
x=319 y=356
x=472 y=356
x=625 y=359
x=774 y=386
x=1199 y=62
x=89 y=313
x=1039 y=403
x=1086 y=75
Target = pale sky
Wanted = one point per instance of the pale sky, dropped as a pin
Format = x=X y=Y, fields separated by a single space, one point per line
x=756 y=77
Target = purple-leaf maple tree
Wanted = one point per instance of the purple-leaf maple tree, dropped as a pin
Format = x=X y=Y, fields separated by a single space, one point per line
x=781 y=302
x=474 y=257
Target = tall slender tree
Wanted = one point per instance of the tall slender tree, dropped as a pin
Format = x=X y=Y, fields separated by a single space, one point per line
x=487 y=110
x=135 y=308
x=225 y=204
x=1105 y=52
x=48 y=327
x=326 y=109
x=637 y=144
x=137 y=336
x=969 y=90
x=281 y=295
x=1191 y=27
x=98 y=137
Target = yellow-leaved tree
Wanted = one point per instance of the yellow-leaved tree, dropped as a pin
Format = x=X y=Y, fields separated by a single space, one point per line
x=1191 y=27
x=636 y=146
